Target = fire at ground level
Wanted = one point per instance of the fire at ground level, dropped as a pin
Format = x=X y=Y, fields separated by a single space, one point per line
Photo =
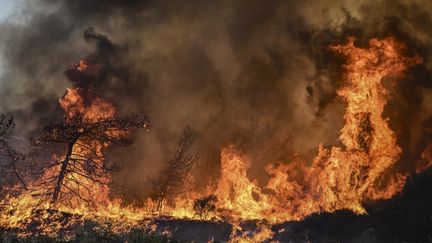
x=407 y=217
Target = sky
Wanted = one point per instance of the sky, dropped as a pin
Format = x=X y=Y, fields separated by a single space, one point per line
x=7 y=9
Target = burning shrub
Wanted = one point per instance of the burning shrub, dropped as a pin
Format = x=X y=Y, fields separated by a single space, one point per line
x=205 y=205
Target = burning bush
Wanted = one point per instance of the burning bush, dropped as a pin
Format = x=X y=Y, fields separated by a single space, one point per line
x=205 y=206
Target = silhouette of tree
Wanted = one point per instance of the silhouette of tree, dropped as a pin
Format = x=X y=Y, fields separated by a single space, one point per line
x=7 y=125
x=82 y=162
x=173 y=176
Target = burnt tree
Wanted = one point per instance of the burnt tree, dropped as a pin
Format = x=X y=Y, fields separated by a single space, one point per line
x=177 y=167
x=7 y=125
x=82 y=163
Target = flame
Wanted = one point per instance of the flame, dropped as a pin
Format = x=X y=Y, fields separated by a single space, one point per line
x=89 y=107
x=338 y=178
x=262 y=234
x=242 y=197
x=86 y=104
x=82 y=65
x=345 y=177
x=426 y=159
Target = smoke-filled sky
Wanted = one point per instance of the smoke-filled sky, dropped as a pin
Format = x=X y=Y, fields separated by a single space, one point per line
x=8 y=7
x=258 y=74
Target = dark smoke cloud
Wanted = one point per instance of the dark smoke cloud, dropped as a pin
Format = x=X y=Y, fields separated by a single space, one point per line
x=255 y=73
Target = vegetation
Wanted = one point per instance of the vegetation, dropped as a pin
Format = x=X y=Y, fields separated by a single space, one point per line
x=204 y=206
x=172 y=180
x=7 y=153
x=91 y=235
x=86 y=163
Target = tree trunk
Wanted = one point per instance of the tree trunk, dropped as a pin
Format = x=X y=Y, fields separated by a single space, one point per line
x=64 y=165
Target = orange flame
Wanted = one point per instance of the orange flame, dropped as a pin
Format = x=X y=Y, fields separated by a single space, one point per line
x=242 y=197
x=338 y=178
x=86 y=104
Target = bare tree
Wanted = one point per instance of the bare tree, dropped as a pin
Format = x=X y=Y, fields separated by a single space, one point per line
x=7 y=125
x=82 y=163
x=176 y=170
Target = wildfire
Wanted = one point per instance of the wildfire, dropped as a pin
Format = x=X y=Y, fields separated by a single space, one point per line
x=338 y=178
x=86 y=104
x=242 y=197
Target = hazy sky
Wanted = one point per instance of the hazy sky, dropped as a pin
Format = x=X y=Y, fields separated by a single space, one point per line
x=7 y=8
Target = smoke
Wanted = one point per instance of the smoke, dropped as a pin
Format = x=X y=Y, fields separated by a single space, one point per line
x=254 y=73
